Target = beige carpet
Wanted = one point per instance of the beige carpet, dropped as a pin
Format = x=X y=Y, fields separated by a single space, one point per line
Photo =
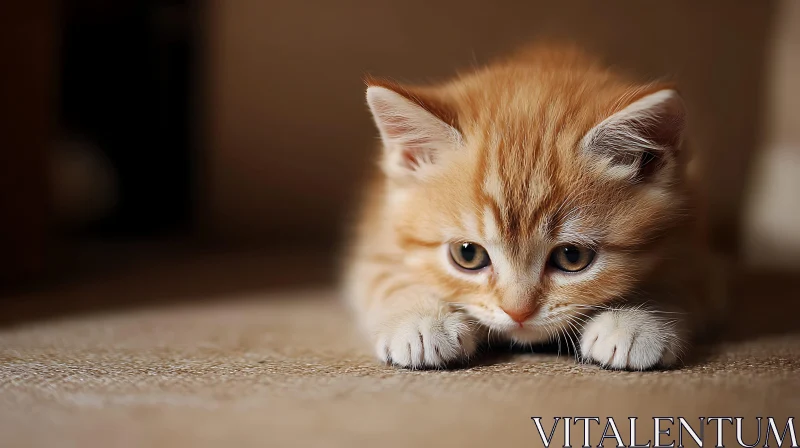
x=286 y=369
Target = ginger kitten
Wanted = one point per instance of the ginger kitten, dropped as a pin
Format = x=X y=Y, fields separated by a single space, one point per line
x=539 y=197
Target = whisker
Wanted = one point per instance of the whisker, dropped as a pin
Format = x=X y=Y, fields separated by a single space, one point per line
x=574 y=345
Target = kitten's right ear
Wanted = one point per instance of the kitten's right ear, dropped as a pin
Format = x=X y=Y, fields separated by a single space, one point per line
x=641 y=140
x=413 y=135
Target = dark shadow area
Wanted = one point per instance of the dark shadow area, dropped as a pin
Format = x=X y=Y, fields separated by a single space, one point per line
x=762 y=303
x=120 y=277
x=126 y=84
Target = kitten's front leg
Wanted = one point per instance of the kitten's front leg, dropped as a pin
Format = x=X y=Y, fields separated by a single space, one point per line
x=427 y=334
x=632 y=339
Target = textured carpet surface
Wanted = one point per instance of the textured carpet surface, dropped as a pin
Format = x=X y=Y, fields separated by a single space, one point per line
x=287 y=369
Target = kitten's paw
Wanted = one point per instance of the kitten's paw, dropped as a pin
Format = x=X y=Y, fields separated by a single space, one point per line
x=423 y=341
x=632 y=339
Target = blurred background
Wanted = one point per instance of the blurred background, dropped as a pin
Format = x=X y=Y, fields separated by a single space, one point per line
x=188 y=148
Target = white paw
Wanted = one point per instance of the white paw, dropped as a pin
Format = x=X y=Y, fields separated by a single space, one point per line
x=421 y=341
x=633 y=339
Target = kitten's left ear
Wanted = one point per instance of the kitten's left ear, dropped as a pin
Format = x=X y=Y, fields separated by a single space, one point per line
x=415 y=130
x=641 y=139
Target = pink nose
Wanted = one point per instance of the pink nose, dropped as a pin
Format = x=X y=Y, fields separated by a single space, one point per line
x=519 y=316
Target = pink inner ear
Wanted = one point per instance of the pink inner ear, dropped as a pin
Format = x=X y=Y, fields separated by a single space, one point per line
x=415 y=157
x=412 y=133
x=394 y=126
x=411 y=158
x=414 y=151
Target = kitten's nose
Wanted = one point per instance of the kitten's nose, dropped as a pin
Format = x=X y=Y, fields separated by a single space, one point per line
x=519 y=316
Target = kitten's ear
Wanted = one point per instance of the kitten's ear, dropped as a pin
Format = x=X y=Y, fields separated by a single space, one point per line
x=414 y=136
x=642 y=139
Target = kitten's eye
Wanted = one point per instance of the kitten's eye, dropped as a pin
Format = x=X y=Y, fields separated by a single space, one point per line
x=469 y=256
x=570 y=258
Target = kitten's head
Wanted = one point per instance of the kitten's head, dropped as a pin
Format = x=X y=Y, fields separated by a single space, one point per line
x=532 y=190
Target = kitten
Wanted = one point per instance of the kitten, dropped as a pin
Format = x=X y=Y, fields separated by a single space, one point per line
x=542 y=196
